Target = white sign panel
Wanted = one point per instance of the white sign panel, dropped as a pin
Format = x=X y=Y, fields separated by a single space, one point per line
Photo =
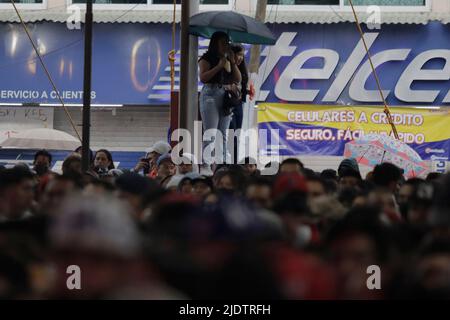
x=16 y=119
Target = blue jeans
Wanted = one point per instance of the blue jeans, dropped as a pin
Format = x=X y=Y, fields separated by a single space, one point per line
x=236 y=120
x=211 y=102
x=235 y=124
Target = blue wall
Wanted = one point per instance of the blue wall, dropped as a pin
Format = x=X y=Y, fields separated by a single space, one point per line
x=127 y=159
x=130 y=60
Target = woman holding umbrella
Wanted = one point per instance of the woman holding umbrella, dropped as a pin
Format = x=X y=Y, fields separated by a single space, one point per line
x=219 y=73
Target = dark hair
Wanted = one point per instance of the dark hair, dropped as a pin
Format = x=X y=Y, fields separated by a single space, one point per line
x=293 y=161
x=15 y=273
x=362 y=220
x=204 y=179
x=434 y=245
x=134 y=183
x=349 y=172
x=433 y=176
x=69 y=160
x=329 y=174
x=316 y=178
x=228 y=167
x=259 y=181
x=237 y=47
x=293 y=202
x=238 y=178
x=213 y=43
x=44 y=153
x=107 y=186
x=14 y=176
x=440 y=216
x=349 y=168
x=309 y=173
x=385 y=173
x=346 y=196
x=109 y=156
x=91 y=153
x=75 y=178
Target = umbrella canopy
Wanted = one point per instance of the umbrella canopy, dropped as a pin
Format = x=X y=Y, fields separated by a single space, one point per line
x=373 y=149
x=42 y=139
x=240 y=28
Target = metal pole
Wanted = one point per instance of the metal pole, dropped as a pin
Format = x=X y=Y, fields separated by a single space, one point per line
x=188 y=106
x=250 y=113
x=87 y=86
x=255 y=51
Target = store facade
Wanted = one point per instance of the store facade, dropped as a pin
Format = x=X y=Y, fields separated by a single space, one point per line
x=311 y=64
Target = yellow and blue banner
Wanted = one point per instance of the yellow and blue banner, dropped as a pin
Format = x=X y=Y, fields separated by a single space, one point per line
x=324 y=129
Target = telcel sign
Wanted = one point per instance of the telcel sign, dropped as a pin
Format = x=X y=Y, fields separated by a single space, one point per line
x=413 y=74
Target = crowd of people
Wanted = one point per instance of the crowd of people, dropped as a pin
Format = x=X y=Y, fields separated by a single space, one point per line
x=165 y=231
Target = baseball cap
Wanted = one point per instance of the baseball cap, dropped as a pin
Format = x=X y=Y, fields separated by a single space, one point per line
x=288 y=182
x=134 y=183
x=191 y=176
x=188 y=158
x=160 y=147
x=204 y=179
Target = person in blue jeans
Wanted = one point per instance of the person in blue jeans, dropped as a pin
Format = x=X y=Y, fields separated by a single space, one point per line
x=218 y=72
x=236 y=119
x=239 y=54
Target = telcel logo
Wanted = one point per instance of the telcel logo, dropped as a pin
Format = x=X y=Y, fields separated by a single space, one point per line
x=354 y=72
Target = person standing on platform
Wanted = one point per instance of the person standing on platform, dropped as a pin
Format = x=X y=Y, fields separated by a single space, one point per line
x=220 y=74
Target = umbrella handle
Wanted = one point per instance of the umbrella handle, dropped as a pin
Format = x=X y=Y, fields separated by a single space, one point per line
x=382 y=158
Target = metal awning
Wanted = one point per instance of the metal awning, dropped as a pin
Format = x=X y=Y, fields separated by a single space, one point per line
x=165 y=16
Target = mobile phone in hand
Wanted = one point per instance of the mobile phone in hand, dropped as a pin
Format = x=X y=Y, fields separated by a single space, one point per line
x=147 y=167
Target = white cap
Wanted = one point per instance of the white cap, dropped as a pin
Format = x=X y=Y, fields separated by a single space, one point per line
x=186 y=158
x=160 y=147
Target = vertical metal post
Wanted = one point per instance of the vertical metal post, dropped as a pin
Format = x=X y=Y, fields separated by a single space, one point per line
x=87 y=86
x=255 y=51
x=188 y=106
x=250 y=113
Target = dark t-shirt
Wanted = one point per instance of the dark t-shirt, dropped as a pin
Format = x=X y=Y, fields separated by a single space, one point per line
x=221 y=77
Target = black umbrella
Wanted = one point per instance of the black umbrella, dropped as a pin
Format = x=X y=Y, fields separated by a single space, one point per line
x=240 y=28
